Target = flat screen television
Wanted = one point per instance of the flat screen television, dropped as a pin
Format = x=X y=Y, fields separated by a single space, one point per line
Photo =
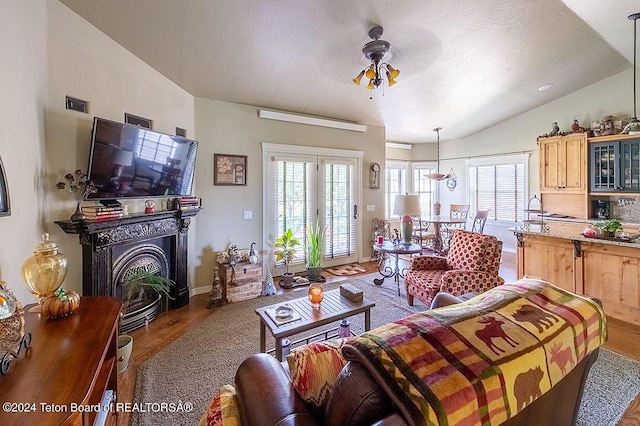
x=128 y=161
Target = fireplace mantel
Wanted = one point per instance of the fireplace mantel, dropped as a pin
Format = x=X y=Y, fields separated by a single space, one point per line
x=101 y=239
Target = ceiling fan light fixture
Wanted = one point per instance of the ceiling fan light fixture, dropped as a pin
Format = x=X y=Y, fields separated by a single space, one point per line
x=392 y=71
x=356 y=80
x=375 y=51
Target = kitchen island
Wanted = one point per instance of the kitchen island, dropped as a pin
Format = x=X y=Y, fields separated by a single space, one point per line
x=608 y=269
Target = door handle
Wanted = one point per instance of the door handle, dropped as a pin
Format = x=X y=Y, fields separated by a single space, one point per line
x=355 y=211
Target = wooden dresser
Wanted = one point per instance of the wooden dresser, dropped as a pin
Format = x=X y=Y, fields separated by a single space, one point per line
x=71 y=363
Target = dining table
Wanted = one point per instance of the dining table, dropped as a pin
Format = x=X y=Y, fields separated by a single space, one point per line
x=438 y=221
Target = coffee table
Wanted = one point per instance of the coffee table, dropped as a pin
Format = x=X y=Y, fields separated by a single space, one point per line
x=333 y=308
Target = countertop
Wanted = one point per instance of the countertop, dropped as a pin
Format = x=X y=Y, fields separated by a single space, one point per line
x=633 y=242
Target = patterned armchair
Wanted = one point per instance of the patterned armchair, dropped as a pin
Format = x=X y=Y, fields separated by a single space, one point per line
x=471 y=265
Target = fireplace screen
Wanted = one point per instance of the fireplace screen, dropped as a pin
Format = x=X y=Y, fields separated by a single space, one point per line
x=141 y=304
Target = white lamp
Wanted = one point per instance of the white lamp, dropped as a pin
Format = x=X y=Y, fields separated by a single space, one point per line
x=120 y=158
x=406 y=206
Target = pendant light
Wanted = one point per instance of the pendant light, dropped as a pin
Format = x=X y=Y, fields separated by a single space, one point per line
x=633 y=128
x=437 y=175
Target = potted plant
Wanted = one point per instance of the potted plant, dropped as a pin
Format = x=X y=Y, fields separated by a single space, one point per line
x=315 y=238
x=608 y=227
x=133 y=284
x=285 y=252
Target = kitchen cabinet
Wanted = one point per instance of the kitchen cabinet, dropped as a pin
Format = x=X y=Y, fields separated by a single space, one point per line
x=551 y=259
x=563 y=163
x=615 y=165
x=607 y=270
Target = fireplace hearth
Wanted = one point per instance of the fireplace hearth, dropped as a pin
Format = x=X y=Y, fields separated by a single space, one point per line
x=113 y=250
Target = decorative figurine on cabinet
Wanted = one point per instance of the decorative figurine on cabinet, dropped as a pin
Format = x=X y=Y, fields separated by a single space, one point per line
x=253 y=255
x=576 y=128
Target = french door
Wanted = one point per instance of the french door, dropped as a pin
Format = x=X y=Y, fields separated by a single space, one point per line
x=304 y=189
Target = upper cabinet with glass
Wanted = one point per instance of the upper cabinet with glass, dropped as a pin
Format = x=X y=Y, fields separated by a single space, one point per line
x=615 y=165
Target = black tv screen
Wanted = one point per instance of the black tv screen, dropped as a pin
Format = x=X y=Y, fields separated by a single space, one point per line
x=131 y=161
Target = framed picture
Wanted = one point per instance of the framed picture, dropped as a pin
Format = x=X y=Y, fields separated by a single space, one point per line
x=229 y=169
x=5 y=208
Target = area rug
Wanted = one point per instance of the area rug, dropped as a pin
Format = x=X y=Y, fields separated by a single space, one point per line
x=189 y=371
x=613 y=383
x=347 y=270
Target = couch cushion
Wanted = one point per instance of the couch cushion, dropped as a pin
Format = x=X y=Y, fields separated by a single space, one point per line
x=314 y=369
x=223 y=409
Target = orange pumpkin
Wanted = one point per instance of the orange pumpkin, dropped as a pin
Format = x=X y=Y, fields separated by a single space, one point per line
x=60 y=304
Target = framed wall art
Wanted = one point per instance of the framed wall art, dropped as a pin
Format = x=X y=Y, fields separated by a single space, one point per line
x=229 y=169
x=5 y=206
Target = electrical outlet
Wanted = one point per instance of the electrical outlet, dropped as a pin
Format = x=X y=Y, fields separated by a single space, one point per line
x=371 y=207
x=248 y=214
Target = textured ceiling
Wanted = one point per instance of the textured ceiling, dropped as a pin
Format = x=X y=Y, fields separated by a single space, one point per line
x=465 y=66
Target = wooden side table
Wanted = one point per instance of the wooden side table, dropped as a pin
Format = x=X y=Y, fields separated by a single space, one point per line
x=71 y=360
x=396 y=250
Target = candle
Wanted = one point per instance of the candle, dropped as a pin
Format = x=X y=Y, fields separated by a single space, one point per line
x=315 y=294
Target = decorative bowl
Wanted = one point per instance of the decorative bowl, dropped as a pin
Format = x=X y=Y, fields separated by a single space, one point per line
x=284 y=311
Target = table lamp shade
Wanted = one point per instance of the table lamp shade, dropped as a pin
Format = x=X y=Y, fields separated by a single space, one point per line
x=122 y=157
x=406 y=206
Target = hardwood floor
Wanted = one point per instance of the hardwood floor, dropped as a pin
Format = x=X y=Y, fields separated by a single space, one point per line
x=623 y=338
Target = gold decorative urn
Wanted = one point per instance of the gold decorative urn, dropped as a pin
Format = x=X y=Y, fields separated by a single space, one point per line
x=44 y=272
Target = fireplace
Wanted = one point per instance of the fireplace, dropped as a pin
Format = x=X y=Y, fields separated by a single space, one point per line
x=140 y=304
x=112 y=250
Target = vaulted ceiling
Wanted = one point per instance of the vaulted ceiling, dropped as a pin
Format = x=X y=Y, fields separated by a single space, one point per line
x=465 y=65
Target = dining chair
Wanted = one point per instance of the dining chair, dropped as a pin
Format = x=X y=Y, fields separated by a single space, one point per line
x=479 y=221
x=422 y=234
x=456 y=211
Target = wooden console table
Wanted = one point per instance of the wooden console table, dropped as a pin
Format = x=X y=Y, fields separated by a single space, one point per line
x=71 y=360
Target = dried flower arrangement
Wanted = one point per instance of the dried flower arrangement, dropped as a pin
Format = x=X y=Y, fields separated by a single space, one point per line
x=78 y=185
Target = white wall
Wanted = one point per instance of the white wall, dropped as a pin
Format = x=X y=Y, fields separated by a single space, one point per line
x=227 y=128
x=86 y=64
x=23 y=36
x=519 y=134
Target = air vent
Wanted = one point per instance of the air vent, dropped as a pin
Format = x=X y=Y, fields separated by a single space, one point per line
x=76 y=104
x=138 y=121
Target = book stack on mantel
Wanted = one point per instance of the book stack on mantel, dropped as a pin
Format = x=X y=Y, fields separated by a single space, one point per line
x=187 y=203
x=100 y=212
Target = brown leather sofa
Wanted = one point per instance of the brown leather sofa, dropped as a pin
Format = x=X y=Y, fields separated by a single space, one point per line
x=266 y=396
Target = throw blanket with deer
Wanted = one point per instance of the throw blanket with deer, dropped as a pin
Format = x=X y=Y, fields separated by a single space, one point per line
x=484 y=360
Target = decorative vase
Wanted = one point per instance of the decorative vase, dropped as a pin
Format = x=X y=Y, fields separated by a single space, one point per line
x=316 y=294
x=78 y=216
x=44 y=272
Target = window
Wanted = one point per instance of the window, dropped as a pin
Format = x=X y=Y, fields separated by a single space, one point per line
x=499 y=184
x=409 y=178
x=395 y=183
x=423 y=186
